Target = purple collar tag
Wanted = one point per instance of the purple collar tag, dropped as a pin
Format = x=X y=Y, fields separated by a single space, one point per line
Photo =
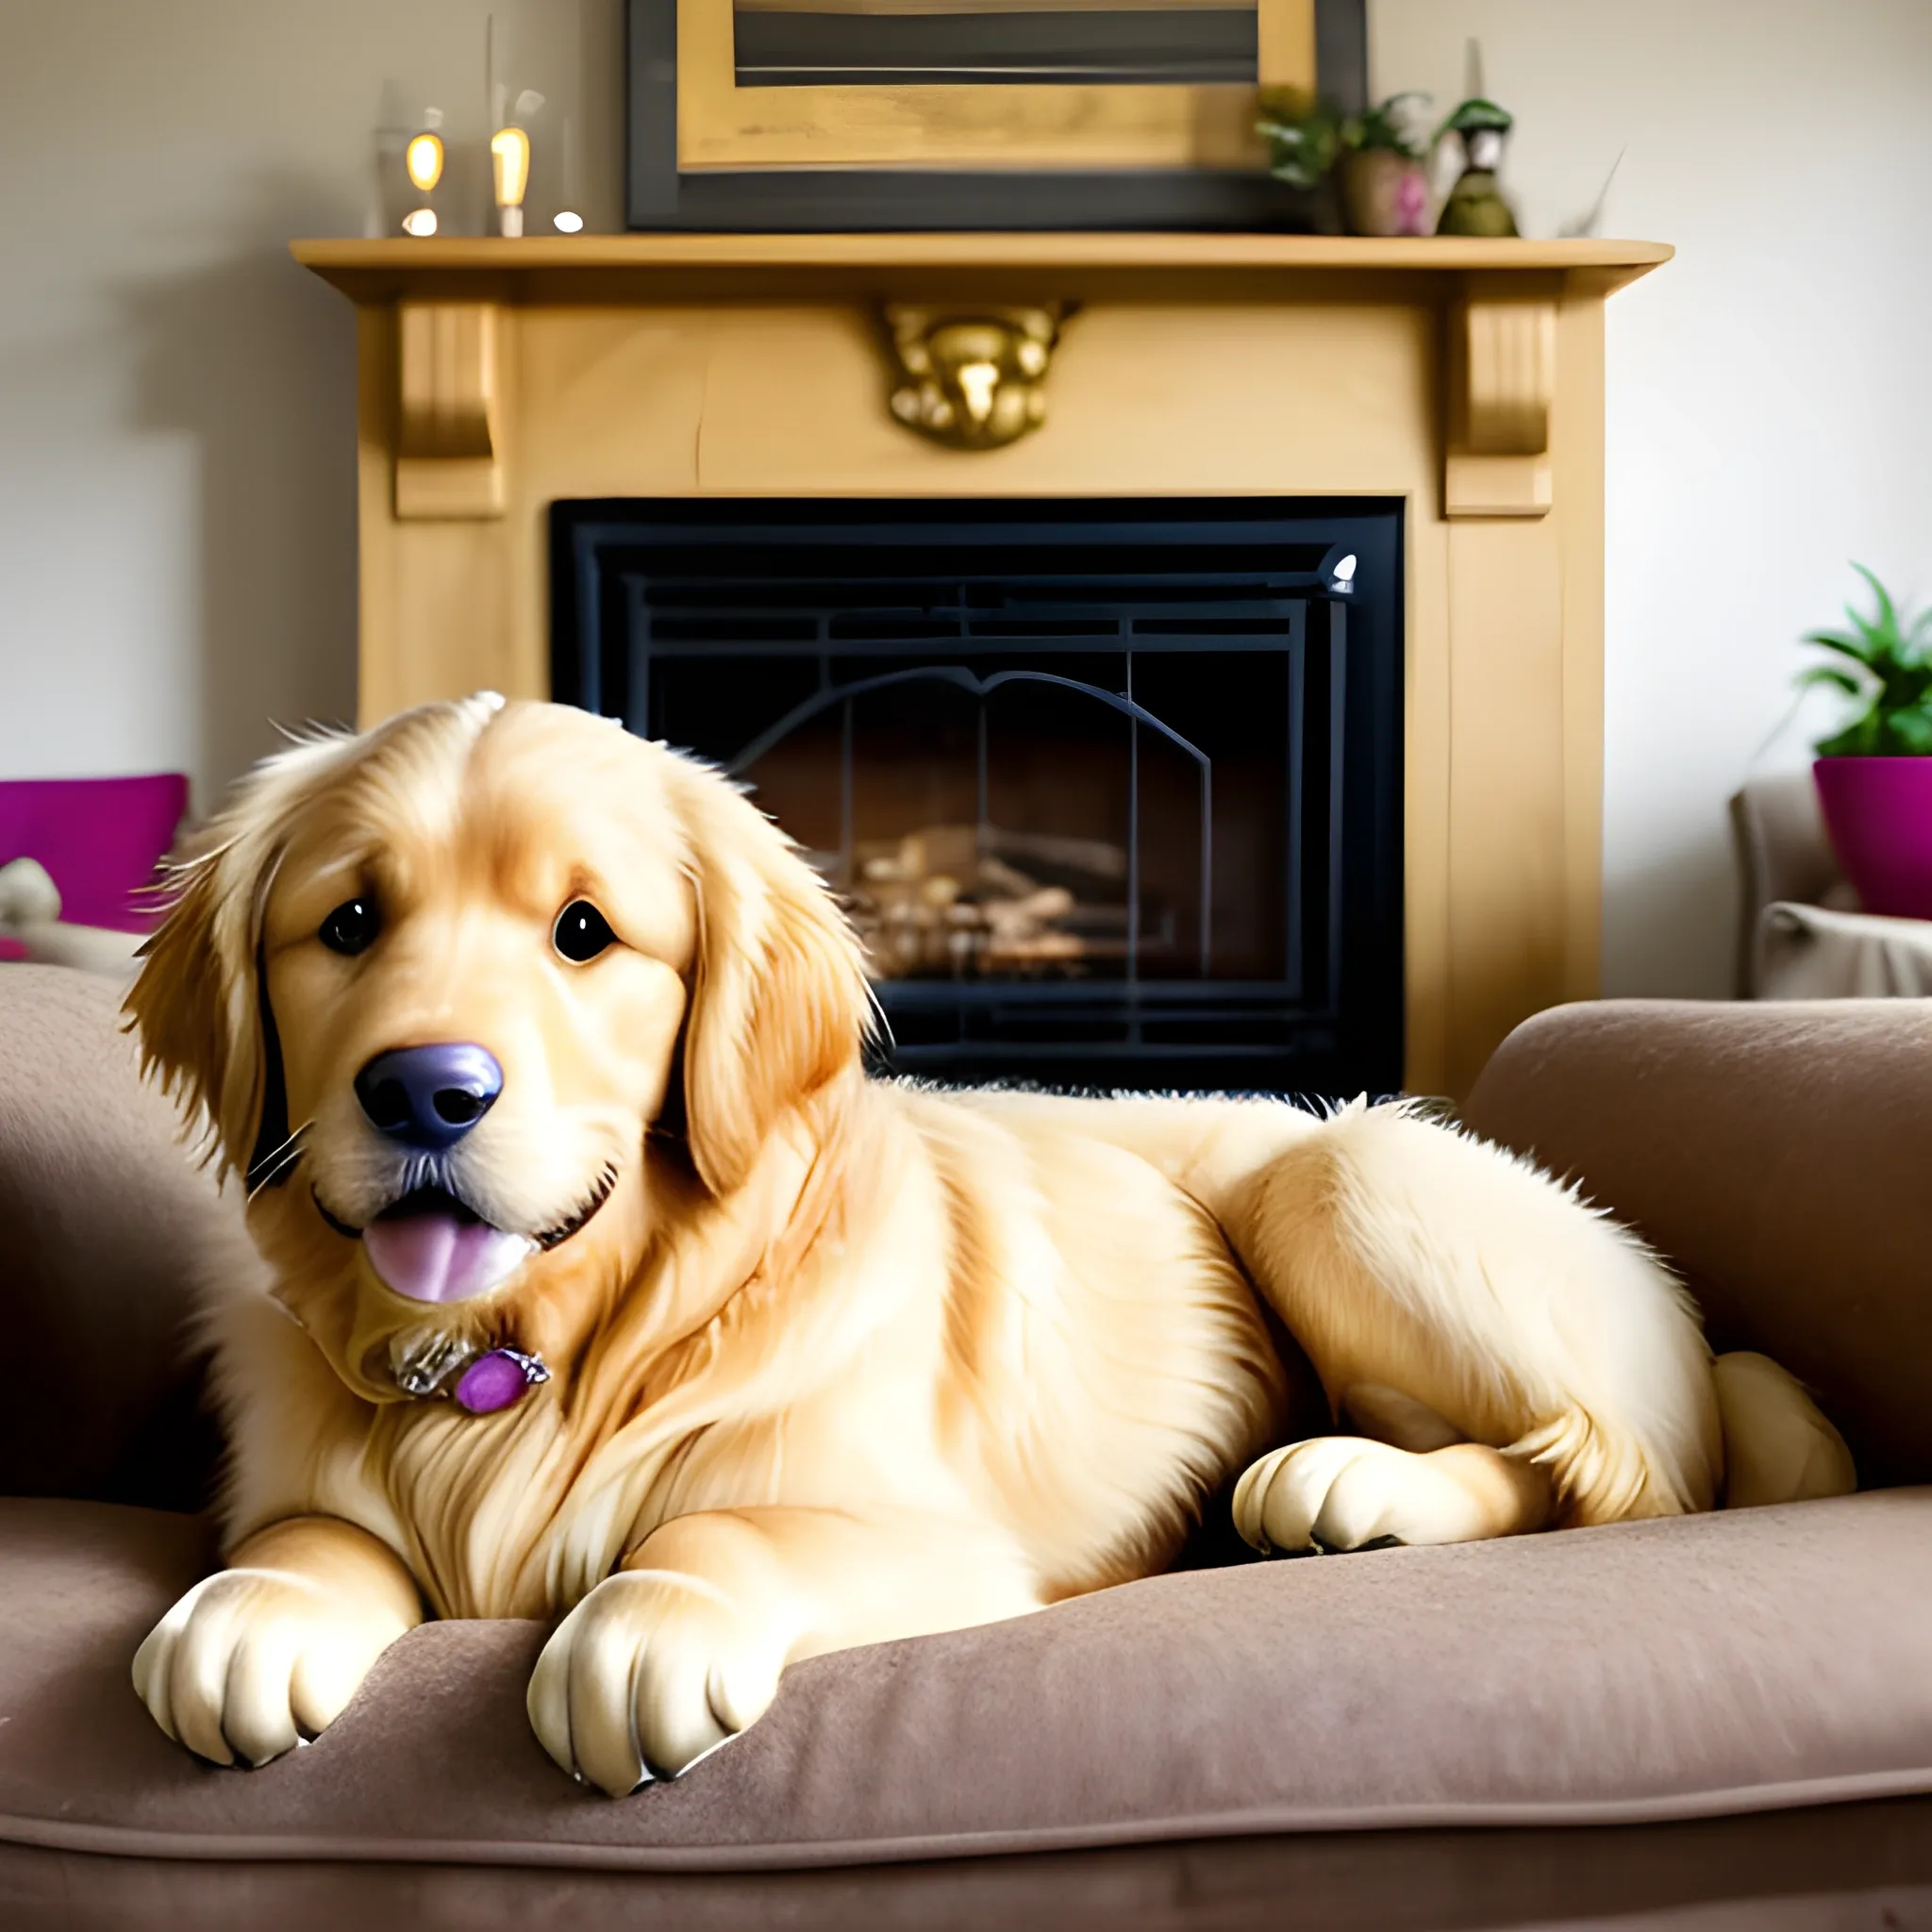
x=496 y=1380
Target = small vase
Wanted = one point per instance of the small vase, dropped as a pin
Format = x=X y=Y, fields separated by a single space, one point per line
x=1879 y=814
x=1384 y=194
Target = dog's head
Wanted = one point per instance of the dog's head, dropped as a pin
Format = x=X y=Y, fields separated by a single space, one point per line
x=438 y=989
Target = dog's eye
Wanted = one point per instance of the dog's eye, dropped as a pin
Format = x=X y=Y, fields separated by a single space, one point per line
x=582 y=932
x=352 y=927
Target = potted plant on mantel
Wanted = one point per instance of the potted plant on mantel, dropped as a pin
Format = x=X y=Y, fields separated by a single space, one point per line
x=1385 y=176
x=1379 y=162
x=1874 y=776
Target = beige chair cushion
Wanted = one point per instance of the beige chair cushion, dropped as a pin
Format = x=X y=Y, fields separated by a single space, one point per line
x=1780 y=1157
x=106 y=1228
x=1715 y=1664
x=1814 y=953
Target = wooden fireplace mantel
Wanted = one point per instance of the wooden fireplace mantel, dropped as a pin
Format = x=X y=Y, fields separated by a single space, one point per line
x=382 y=271
x=1464 y=377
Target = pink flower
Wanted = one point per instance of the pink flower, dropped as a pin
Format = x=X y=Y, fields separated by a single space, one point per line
x=1411 y=203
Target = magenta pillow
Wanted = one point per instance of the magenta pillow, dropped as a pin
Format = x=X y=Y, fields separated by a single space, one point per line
x=99 y=838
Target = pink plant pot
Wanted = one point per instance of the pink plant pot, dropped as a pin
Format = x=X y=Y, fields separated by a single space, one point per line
x=1879 y=814
x=1384 y=194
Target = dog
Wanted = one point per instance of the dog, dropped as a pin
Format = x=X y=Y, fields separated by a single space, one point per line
x=604 y=1283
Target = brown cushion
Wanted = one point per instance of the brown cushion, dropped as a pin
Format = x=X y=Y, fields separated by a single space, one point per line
x=1824 y=1868
x=107 y=1224
x=1730 y=1663
x=1781 y=1155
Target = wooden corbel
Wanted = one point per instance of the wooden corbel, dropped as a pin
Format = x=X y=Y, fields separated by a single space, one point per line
x=1501 y=386
x=449 y=410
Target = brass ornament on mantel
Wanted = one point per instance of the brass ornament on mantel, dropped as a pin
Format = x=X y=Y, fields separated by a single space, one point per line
x=972 y=379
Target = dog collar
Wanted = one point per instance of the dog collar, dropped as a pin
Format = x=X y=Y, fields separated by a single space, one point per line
x=482 y=1384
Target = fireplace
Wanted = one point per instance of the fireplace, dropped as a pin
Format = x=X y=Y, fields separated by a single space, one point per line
x=668 y=389
x=1111 y=790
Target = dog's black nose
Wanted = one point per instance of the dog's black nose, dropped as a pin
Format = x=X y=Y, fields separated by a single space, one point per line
x=429 y=1096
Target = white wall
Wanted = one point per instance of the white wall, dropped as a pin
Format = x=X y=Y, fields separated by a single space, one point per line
x=177 y=538
x=1770 y=409
x=176 y=517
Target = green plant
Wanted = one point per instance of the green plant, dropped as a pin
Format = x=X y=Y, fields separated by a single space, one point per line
x=1889 y=672
x=1387 y=129
x=1307 y=134
x=1304 y=135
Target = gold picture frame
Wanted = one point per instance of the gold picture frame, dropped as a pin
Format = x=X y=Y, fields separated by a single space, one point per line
x=1010 y=127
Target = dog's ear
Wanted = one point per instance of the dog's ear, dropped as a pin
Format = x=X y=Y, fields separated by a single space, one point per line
x=191 y=1007
x=779 y=1004
x=198 y=1006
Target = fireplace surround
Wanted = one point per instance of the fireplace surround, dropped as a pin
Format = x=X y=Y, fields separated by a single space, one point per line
x=1456 y=385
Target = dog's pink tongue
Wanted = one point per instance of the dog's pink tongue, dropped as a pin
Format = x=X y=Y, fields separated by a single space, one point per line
x=436 y=1257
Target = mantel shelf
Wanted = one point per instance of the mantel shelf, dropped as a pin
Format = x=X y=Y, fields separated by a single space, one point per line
x=611 y=266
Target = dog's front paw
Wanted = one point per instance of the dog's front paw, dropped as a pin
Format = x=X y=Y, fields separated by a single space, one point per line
x=652 y=1671
x=1346 y=1492
x=250 y=1661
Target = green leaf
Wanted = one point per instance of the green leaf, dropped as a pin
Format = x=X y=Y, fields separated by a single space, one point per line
x=1888 y=614
x=1895 y=657
x=1913 y=732
x=1831 y=674
x=1854 y=648
x=1303 y=132
x=1384 y=127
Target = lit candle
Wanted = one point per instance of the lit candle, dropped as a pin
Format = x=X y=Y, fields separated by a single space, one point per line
x=510 y=155
x=423 y=158
x=423 y=163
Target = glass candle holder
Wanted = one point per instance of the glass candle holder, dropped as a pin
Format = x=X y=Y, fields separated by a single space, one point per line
x=412 y=173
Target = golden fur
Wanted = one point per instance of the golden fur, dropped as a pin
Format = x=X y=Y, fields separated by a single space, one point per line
x=838 y=1360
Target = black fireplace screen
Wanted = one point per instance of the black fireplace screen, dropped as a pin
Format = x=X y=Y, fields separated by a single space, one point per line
x=1111 y=791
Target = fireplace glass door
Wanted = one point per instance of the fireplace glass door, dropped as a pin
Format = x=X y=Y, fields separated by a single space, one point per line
x=1110 y=790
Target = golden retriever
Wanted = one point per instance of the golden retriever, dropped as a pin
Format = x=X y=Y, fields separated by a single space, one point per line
x=603 y=1283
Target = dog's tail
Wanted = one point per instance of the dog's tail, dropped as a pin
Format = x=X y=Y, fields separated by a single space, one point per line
x=1778 y=1445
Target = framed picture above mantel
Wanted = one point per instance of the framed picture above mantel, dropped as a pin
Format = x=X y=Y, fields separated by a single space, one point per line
x=856 y=115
